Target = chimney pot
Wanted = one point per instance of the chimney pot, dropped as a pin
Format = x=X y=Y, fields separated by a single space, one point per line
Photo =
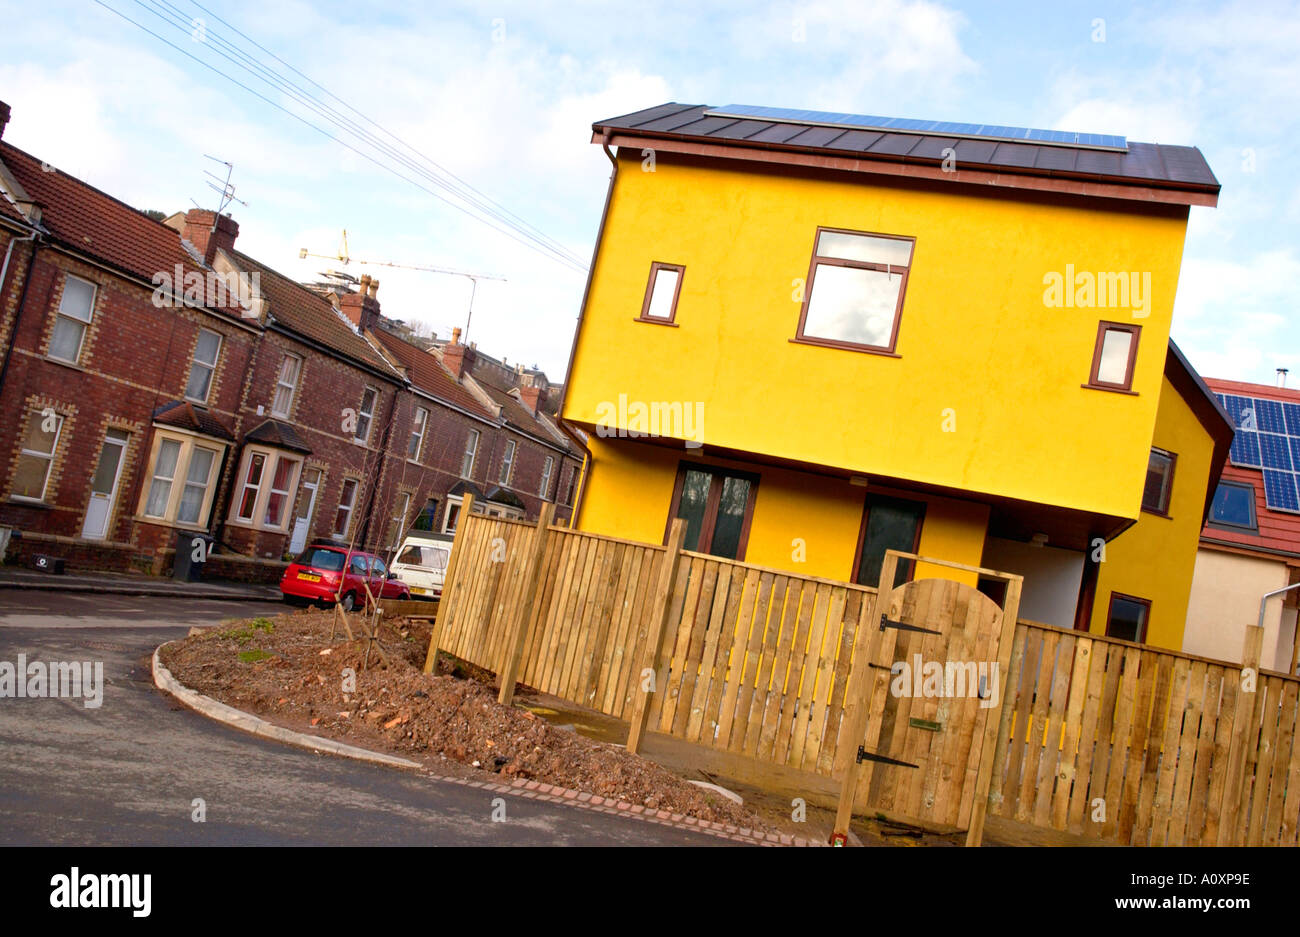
x=208 y=232
x=455 y=336
x=1281 y=377
x=4 y=118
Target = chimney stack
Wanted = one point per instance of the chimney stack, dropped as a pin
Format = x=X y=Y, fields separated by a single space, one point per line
x=532 y=397
x=1281 y=377
x=4 y=118
x=362 y=307
x=207 y=231
x=456 y=357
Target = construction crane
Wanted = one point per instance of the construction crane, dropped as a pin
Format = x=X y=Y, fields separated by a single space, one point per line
x=344 y=257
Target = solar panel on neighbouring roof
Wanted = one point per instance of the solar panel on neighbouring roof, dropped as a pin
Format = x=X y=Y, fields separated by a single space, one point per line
x=1274 y=451
x=1268 y=438
x=943 y=128
x=1280 y=491
x=1245 y=450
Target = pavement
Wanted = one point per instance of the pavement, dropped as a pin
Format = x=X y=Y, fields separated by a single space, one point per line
x=135 y=584
x=134 y=770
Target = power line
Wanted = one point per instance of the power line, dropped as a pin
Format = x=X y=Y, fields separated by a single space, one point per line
x=510 y=231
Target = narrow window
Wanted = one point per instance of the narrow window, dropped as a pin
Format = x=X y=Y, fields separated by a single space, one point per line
x=1160 y=482
x=194 y=493
x=1128 y=617
x=204 y=365
x=507 y=462
x=418 y=424
x=36 y=457
x=347 y=499
x=453 y=515
x=660 y=303
x=252 y=486
x=570 y=487
x=1233 y=506
x=366 y=414
x=278 y=499
x=547 y=467
x=72 y=320
x=717 y=505
x=888 y=524
x=285 y=385
x=427 y=517
x=164 y=473
x=397 y=522
x=1113 y=356
x=467 y=460
x=855 y=290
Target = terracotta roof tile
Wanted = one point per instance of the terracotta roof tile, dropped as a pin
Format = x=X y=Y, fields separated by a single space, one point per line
x=428 y=374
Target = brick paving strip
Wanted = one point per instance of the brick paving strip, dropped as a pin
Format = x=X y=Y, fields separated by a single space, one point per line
x=520 y=787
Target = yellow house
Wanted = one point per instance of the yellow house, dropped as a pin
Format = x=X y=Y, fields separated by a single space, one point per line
x=816 y=337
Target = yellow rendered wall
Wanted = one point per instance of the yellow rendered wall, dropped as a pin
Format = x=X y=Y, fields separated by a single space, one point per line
x=978 y=347
x=803 y=523
x=1155 y=558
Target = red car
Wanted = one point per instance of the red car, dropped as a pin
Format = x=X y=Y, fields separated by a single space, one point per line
x=314 y=578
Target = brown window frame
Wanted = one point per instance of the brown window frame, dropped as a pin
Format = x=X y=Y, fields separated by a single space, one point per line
x=645 y=316
x=711 y=505
x=1102 y=328
x=1146 y=619
x=1162 y=511
x=888 y=350
x=908 y=567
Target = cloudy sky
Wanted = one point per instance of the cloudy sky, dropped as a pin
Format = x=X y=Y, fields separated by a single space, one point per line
x=503 y=95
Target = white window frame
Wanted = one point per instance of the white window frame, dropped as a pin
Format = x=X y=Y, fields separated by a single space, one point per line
x=83 y=324
x=417 y=438
x=49 y=457
x=507 y=462
x=367 y=415
x=290 y=387
x=351 y=507
x=210 y=368
x=398 y=520
x=471 y=454
x=547 y=468
x=188 y=443
x=271 y=459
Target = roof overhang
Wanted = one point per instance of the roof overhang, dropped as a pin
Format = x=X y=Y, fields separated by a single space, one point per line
x=1211 y=415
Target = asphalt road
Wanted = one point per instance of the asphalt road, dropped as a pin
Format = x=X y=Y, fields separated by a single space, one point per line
x=128 y=772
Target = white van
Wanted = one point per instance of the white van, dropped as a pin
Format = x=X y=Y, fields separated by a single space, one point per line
x=421 y=563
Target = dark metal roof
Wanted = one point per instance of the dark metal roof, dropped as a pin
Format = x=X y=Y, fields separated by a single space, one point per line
x=1148 y=164
x=505 y=496
x=279 y=435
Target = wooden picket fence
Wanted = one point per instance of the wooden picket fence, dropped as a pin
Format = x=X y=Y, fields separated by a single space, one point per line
x=1140 y=746
x=1098 y=737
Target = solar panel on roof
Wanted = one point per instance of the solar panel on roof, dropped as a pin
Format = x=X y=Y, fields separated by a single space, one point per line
x=1268 y=438
x=943 y=128
x=1280 y=491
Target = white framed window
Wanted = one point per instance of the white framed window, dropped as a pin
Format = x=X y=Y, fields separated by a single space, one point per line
x=286 y=384
x=347 y=501
x=72 y=321
x=418 y=425
x=204 y=365
x=507 y=462
x=547 y=467
x=471 y=450
x=36 y=457
x=366 y=414
x=182 y=472
x=267 y=479
x=397 y=523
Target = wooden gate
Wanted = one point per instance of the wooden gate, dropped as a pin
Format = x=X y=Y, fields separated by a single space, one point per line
x=926 y=692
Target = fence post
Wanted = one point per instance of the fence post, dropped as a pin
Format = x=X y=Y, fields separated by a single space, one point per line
x=448 y=578
x=528 y=599
x=661 y=607
x=1233 y=817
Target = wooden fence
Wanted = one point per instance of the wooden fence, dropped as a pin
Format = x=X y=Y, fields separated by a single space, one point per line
x=1098 y=737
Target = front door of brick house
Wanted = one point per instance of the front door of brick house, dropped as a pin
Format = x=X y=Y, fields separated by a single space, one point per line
x=303 y=510
x=103 y=486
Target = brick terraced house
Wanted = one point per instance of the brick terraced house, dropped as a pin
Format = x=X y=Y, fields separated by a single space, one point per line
x=156 y=380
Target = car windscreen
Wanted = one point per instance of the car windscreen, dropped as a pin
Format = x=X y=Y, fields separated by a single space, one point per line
x=426 y=557
x=319 y=558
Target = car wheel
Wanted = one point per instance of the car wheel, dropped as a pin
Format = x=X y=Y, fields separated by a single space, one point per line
x=293 y=600
x=349 y=601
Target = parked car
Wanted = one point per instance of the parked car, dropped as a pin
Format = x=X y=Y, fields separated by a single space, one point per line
x=422 y=563
x=324 y=571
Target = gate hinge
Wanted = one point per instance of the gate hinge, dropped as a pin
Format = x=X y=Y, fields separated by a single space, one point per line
x=903 y=626
x=864 y=755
